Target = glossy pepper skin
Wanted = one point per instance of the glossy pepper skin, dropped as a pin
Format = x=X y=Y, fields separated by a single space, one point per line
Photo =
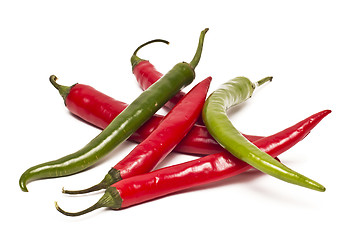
x=145 y=156
x=100 y=109
x=122 y=127
x=220 y=127
x=211 y=168
x=146 y=73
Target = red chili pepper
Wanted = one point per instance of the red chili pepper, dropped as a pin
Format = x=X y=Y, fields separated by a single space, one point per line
x=215 y=167
x=99 y=109
x=145 y=156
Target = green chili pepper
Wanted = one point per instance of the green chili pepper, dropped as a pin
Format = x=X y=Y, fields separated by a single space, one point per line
x=122 y=127
x=220 y=127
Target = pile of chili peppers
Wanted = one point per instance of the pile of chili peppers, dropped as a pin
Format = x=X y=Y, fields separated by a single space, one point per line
x=196 y=125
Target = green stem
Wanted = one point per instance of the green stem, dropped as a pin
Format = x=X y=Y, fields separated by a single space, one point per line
x=111 y=199
x=262 y=81
x=63 y=90
x=110 y=178
x=94 y=188
x=74 y=214
x=194 y=62
x=135 y=59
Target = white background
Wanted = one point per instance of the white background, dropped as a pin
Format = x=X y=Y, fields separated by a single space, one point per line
x=311 y=48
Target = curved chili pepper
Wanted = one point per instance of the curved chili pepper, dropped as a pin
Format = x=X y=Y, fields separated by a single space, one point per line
x=122 y=127
x=145 y=156
x=146 y=73
x=220 y=127
x=99 y=109
x=211 y=168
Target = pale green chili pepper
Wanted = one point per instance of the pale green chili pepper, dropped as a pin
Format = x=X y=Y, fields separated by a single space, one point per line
x=220 y=127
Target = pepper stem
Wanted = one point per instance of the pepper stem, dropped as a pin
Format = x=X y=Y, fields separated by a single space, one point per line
x=63 y=90
x=74 y=214
x=110 y=178
x=262 y=81
x=94 y=188
x=194 y=62
x=111 y=199
x=135 y=59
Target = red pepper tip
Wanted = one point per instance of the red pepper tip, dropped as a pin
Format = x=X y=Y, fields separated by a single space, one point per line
x=323 y=113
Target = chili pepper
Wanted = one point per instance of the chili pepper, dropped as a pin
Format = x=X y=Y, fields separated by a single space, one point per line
x=99 y=109
x=145 y=156
x=122 y=127
x=210 y=168
x=220 y=127
x=146 y=73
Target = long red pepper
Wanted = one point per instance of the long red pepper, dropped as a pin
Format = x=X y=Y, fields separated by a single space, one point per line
x=100 y=109
x=145 y=156
x=215 y=167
